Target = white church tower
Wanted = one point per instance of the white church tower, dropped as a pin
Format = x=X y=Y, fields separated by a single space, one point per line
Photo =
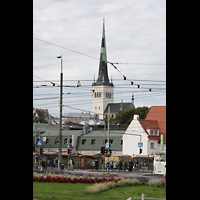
x=102 y=89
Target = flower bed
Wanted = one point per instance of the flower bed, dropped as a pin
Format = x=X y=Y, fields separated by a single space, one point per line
x=61 y=179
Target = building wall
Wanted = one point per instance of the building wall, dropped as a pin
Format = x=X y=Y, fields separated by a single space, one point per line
x=101 y=96
x=130 y=141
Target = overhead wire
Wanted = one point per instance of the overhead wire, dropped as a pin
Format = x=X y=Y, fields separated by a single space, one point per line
x=132 y=81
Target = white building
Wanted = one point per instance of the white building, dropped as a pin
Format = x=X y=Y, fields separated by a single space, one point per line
x=148 y=131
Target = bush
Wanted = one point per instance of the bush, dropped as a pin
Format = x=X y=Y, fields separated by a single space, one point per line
x=156 y=183
x=97 y=188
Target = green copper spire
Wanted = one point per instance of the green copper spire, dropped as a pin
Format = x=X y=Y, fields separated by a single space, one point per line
x=121 y=107
x=103 y=71
x=94 y=79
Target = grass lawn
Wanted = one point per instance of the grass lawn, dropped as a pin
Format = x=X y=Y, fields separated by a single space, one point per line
x=76 y=192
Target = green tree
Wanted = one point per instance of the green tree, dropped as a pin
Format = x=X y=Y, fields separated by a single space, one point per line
x=38 y=116
x=126 y=116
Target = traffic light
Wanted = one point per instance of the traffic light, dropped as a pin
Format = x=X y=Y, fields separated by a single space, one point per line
x=110 y=151
x=140 y=150
x=41 y=151
x=106 y=150
x=103 y=150
x=68 y=151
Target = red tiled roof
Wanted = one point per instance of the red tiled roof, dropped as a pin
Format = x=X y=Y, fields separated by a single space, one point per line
x=158 y=113
x=148 y=124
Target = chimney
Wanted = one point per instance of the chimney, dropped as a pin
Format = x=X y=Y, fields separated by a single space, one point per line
x=136 y=116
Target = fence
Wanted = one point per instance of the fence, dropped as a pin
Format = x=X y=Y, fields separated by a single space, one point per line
x=142 y=198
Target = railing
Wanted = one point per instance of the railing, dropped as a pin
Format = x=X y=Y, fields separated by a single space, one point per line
x=142 y=198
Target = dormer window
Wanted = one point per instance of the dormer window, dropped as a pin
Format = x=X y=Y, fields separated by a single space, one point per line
x=154 y=132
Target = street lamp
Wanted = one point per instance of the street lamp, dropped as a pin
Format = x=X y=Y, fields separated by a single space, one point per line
x=60 y=133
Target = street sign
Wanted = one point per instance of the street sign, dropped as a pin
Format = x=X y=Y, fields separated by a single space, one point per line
x=161 y=142
x=68 y=146
x=107 y=145
x=108 y=153
x=140 y=144
x=39 y=143
x=107 y=164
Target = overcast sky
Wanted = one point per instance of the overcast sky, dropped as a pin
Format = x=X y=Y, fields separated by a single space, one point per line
x=135 y=34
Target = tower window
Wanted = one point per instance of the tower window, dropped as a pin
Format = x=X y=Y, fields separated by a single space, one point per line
x=108 y=95
x=97 y=95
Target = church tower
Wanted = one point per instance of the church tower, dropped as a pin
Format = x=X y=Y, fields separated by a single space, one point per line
x=102 y=88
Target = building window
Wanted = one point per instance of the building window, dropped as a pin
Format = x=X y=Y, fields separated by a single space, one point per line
x=111 y=141
x=108 y=95
x=152 y=145
x=151 y=132
x=47 y=140
x=121 y=142
x=83 y=141
x=97 y=95
x=93 y=141
x=156 y=132
x=99 y=107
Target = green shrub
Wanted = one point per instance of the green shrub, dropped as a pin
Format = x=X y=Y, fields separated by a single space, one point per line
x=99 y=187
x=156 y=183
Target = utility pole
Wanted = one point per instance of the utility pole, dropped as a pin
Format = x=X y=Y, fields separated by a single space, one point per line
x=108 y=132
x=104 y=131
x=60 y=133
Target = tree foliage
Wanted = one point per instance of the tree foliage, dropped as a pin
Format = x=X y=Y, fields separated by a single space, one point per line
x=39 y=116
x=126 y=116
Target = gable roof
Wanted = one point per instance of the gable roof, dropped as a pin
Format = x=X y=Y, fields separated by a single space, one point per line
x=149 y=124
x=115 y=107
x=158 y=113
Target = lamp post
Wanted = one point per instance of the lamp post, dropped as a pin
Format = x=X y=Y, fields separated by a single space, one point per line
x=60 y=133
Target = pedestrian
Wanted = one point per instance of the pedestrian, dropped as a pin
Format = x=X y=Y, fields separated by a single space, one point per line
x=45 y=164
x=125 y=165
x=136 y=165
x=96 y=164
x=54 y=164
x=48 y=162
x=93 y=164
x=120 y=165
x=111 y=165
x=114 y=166
x=130 y=165
x=72 y=165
